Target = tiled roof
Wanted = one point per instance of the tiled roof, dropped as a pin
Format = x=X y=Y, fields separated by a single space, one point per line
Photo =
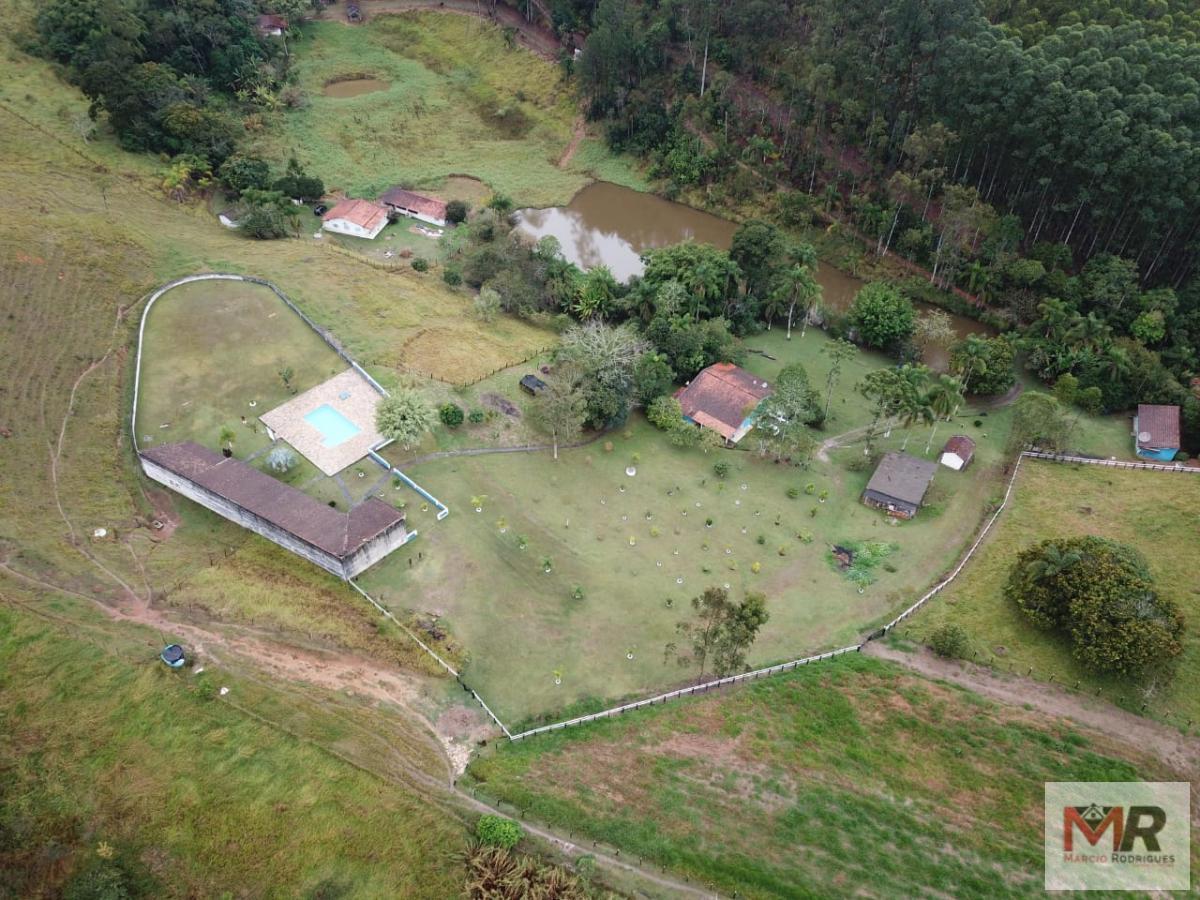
x=416 y=202
x=362 y=213
x=721 y=397
x=960 y=445
x=268 y=21
x=1160 y=423
x=902 y=477
x=337 y=533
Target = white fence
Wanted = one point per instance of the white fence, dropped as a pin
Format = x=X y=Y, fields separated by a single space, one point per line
x=1109 y=463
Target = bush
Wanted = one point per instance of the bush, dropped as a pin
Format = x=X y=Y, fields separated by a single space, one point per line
x=883 y=316
x=281 y=459
x=1099 y=594
x=420 y=264
x=456 y=212
x=950 y=640
x=452 y=277
x=451 y=415
x=476 y=416
x=722 y=468
x=793 y=492
x=497 y=831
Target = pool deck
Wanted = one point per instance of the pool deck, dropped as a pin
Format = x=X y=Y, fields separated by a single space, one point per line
x=348 y=393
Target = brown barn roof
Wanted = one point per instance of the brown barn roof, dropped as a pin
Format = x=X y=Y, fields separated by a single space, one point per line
x=269 y=21
x=416 y=202
x=1161 y=423
x=362 y=213
x=960 y=445
x=721 y=397
x=902 y=477
x=337 y=533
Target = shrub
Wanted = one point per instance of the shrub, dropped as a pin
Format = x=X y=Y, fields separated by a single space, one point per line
x=722 y=468
x=1181 y=457
x=476 y=416
x=420 y=264
x=950 y=640
x=793 y=492
x=1099 y=594
x=497 y=831
x=281 y=459
x=451 y=415
x=452 y=276
x=457 y=211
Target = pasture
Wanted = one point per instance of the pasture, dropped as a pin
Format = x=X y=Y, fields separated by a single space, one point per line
x=455 y=100
x=848 y=778
x=1153 y=511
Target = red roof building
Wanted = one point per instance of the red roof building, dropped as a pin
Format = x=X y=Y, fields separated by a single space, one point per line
x=271 y=25
x=724 y=398
x=359 y=218
x=415 y=206
x=958 y=452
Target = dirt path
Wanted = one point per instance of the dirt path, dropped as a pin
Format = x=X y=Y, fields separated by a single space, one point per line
x=531 y=35
x=1180 y=752
x=576 y=139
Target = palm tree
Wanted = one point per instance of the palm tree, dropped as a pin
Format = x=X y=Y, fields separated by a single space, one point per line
x=797 y=285
x=774 y=305
x=971 y=359
x=913 y=402
x=944 y=396
x=1052 y=562
x=226 y=440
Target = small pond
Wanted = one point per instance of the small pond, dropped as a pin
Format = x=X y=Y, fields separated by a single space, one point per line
x=354 y=87
x=607 y=224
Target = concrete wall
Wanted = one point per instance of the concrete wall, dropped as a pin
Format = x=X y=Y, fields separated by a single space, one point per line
x=367 y=555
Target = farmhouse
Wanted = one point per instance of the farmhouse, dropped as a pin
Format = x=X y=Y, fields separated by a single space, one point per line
x=724 y=398
x=359 y=218
x=899 y=484
x=958 y=452
x=1156 y=431
x=405 y=203
x=272 y=25
x=341 y=543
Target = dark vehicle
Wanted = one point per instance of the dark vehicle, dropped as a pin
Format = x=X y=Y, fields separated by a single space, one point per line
x=353 y=13
x=320 y=209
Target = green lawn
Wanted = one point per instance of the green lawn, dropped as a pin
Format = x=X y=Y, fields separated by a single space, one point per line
x=1155 y=512
x=521 y=624
x=458 y=101
x=100 y=744
x=850 y=778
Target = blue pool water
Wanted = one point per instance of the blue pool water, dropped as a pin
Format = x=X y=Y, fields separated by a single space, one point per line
x=334 y=427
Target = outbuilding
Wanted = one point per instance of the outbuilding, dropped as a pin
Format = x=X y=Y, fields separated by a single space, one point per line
x=416 y=206
x=958 y=452
x=1156 y=432
x=532 y=385
x=899 y=484
x=358 y=218
x=270 y=25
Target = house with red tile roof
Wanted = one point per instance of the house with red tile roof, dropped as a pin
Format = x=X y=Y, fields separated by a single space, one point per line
x=724 y=398
x=358 y=218
x=270 y=25
x=416 y=206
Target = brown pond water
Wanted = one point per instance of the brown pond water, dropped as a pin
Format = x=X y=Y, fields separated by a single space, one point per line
x=354 y=87
x=606 y=224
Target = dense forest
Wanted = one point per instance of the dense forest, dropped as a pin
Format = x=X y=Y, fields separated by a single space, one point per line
x=1042 y=160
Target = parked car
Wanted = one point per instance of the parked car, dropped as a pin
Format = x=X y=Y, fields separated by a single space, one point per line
x=320 y=209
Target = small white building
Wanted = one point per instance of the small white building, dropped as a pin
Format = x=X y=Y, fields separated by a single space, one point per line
x=958 y=452
x=416 y=206
x=358 y=218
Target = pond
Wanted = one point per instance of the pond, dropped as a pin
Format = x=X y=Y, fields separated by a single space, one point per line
x=607 y=224
x=354 y=87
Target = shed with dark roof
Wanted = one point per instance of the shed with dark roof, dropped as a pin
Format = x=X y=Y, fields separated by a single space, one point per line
x=899 y=484
x=341 y=543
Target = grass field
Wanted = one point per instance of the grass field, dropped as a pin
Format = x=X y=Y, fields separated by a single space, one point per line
x=99 y=744
x=458 y=101
x=1153 y=511
x=851 y=778
x=521 y=625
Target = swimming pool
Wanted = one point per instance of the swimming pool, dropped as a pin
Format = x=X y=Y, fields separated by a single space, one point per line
x=334 y=427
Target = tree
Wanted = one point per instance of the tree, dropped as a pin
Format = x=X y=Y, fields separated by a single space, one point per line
x=1038 y=420
x=487 y=304
x=605 y=356
x=756 y=248
x=883 y=317
x=985 y=364
x=792 y=400
x=652 y=377
x=267 y=214
x=1100 y=595
x=451 y=415
x=721 y=632
x=598 y=298
x=795 y=285
x=1066 y=389
x=560 y=408
x=242 y=172
x=404 y=416
x=943 y=397
x=457 y=212
x=298 y=184
x=839 y=352
x=225 y=438
x=934 y=329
